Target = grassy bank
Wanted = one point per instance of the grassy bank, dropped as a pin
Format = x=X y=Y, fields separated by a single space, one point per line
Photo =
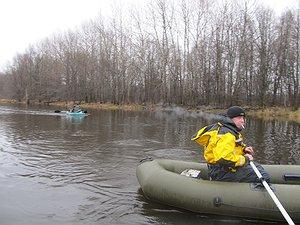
x=65 y=105
x=276 y=113
x=270 y=113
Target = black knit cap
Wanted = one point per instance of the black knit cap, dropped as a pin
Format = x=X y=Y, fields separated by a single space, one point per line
x=235 y=111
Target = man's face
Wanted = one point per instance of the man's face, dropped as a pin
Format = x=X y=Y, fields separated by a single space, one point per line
x=239 y=122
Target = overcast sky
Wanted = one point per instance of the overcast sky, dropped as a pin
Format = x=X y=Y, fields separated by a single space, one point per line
x=25 y=22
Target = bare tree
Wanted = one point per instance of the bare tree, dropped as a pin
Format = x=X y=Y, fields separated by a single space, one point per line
x=189 y=53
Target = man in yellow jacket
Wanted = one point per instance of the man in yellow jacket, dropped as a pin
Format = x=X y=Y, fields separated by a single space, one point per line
x=226 y=154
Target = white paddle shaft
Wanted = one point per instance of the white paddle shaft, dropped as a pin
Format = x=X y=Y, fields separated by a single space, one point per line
x=273 y=196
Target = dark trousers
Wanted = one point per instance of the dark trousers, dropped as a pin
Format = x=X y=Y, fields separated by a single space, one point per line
x=243 y=174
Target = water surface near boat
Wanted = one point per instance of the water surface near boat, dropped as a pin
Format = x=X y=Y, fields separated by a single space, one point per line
x=64 y=170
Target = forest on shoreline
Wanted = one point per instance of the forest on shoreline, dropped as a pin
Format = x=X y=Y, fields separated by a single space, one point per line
x=188 y=53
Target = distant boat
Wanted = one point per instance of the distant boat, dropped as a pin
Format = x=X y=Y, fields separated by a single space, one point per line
x=68 y=113
x=80 y=113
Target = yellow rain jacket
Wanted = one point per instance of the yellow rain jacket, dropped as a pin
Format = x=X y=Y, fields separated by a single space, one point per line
x=223 y=145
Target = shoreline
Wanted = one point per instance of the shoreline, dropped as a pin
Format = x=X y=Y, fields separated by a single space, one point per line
x=268 y=113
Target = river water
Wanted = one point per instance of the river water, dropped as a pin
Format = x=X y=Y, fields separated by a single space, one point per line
x=55 y=169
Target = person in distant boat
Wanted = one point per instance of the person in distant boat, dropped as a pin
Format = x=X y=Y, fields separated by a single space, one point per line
x=76 y=108
x=226 y=154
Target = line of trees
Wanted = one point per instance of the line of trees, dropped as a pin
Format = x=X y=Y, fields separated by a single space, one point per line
x=186 y=52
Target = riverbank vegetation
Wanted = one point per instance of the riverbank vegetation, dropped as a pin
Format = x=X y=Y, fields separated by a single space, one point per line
x=189 y=54
x=270 y=113
x=276 y=113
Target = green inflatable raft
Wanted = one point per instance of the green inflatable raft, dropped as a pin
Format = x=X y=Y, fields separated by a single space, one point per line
x=169 y=182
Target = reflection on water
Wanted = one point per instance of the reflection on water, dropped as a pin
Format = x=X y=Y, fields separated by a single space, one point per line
x=276 y=142
x=65 y=170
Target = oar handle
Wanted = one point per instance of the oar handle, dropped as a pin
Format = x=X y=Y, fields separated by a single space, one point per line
x=273 y=196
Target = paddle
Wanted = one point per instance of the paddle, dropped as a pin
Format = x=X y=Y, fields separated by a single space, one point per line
x=273 y=196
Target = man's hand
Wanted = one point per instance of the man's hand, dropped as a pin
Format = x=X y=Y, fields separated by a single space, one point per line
x=250 y=157
x=249 y=150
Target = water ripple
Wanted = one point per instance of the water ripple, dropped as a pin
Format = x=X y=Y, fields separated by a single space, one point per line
x=83 y=171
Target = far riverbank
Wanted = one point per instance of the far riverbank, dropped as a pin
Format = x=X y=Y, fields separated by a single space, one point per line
x=267 y=113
